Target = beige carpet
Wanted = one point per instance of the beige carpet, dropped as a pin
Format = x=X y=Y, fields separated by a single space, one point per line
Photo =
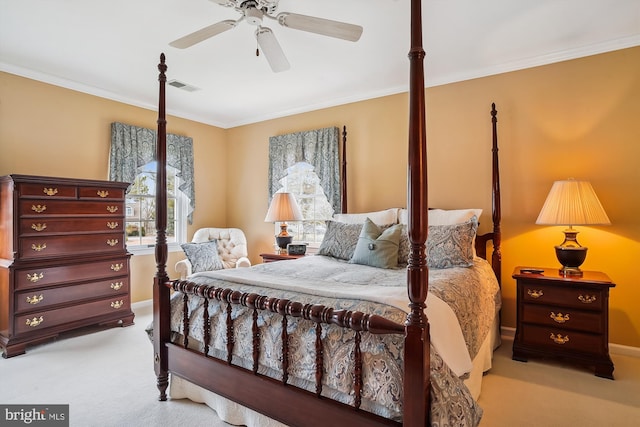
x=106 y=376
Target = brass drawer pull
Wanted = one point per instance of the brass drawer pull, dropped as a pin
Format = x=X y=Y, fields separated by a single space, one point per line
x=112 y=209
x=33 y=278
x=50 y=191
x=34 y=322
x=117 y=286
x=38 y=226
x=103 y=193
x=117 y=267
x=35 y=299
x=39 y=247
x=559 y=318
x=588 y=299
x=534 y=293
x=117 y=304
x=112 y=225
x=39 y=208
x=558 y=339
x=112 y=242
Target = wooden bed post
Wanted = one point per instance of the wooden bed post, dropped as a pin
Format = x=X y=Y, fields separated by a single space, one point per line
x=496 y=256
x=416 y=343
x=161 y=304
x=343 y=201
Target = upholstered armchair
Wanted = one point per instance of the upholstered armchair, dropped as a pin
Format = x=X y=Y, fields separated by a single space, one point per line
x=231 y=245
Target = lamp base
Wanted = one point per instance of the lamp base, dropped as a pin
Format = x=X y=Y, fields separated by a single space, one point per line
x=283 y=241
x=571 y=259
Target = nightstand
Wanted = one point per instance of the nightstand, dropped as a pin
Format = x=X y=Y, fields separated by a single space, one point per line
x=271 y=257
x=564 y=317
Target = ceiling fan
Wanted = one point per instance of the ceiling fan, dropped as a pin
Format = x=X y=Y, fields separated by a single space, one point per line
x=253 y=12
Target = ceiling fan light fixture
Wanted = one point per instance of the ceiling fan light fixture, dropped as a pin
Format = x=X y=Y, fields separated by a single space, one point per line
x=253 y=16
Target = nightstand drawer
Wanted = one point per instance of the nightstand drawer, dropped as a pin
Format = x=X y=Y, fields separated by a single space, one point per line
x=563 y=296
x=563 y=319
x=561 y=339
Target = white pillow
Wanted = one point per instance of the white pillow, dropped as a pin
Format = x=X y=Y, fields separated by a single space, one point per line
x=388 y=216
x=443 y=216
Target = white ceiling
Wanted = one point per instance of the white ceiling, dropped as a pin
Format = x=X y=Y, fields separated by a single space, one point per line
x=110 y=48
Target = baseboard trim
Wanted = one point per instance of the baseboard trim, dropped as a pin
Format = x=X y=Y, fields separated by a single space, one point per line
x=623 y=350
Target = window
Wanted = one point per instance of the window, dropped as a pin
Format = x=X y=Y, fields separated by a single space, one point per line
x=141 y=211
x=304 y=184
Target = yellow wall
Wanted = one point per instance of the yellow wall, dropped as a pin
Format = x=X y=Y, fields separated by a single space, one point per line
x=48 y=130
x=572 y=119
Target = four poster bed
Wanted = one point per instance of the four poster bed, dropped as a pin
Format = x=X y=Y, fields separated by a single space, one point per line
x=325 y=341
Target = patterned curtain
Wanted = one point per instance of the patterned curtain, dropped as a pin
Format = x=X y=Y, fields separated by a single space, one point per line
x=133 y=147
x=317 y=147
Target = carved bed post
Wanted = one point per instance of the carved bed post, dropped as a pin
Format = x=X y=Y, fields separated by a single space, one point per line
x=496 y=256
x=343 y=201
x=161 y=304
x=416 y=344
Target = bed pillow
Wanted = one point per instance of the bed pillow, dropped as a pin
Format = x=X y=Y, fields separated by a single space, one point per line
x=377 y=247
x=203 y=256
x=340 y=240
x=447 y=245
x=451 y=246
x=388 y=216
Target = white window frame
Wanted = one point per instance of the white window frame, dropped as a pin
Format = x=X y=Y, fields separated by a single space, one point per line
x=181 y=206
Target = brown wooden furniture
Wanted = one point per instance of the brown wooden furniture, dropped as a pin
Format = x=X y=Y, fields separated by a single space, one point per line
x=271 y=257
x=564 y=317
x=282 y=401
x=63 y=260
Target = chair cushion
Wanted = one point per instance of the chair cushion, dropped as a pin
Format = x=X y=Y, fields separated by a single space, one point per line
x=203 y=256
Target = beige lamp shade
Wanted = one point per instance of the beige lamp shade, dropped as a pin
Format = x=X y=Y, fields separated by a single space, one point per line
x=283 y=208
x=572 y=202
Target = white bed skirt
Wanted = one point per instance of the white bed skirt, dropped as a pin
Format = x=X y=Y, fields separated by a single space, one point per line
x=236 y=414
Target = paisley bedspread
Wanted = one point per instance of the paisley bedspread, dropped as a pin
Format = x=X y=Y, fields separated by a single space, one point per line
x=470 y=295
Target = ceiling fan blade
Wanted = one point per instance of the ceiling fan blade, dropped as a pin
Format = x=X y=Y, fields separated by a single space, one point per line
x=224 y=2
x=326 y=27
x=272 y=50
x=203 y=34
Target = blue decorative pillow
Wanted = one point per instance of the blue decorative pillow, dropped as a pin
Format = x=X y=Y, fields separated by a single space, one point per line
x=340 y=240
x=203 y=256
x=377 y=247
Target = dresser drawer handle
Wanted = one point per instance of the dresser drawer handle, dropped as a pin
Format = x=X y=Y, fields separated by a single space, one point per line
x=35 y=299
x=39 y=247
x=103 y=193
x=38 y=227
x=34 y=322
x=117 y=267
x=50 y=191
x=112 y=242
x=588 y=299
x=39 y=208
x=559 y=318
x=558 y=339
x=117 y=286
x=33 y=278
x=117 y=304
x=112 y=225
x=112 y=209
x=534 y=293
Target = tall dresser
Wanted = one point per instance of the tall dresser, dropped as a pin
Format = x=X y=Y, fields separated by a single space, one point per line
x=63 y=258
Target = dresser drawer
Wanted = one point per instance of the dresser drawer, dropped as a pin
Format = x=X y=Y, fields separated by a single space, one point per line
x=48 y=246
x=40 y=299
x=564 y=296
x=46 y=190
x=101 y=193
x=81 y=312
x=34 y=278
x=44 y=226
x=40 y=208
x=563 y=340
x=564 y=319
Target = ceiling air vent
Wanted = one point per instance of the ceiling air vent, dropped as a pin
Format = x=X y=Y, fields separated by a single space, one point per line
x=183 y=86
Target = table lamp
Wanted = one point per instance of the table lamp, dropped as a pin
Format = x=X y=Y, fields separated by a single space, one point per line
x=283 y=208
x=572 y=202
